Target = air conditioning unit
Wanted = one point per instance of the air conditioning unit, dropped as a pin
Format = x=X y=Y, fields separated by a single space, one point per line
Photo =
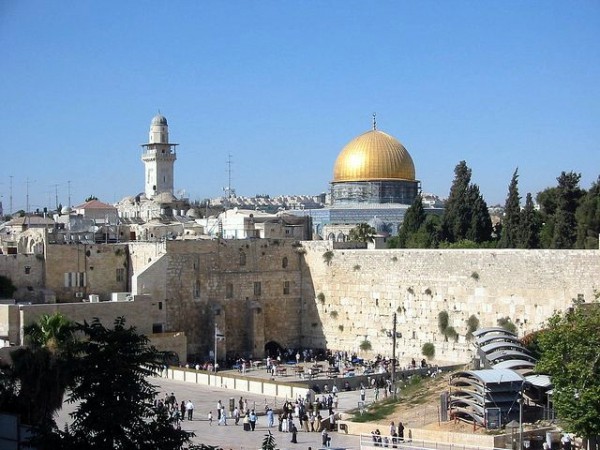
x=79 y=294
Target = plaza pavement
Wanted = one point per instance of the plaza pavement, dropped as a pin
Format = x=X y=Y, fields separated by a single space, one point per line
x=205 y=399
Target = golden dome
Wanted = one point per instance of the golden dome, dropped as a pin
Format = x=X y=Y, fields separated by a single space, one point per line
x=373 y=155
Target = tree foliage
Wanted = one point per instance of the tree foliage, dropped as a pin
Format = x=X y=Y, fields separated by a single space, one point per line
x=588 y=218
x=111 y=381
x=466 y=214
x=567 y=201
x=412 y=222
x=510 y=236
x=363 y=232
x=569 y=354
x=530 y=225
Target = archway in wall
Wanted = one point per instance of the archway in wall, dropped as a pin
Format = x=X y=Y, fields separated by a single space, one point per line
x=273 y=348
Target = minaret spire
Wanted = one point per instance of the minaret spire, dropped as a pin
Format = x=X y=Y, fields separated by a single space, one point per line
x=374 y=121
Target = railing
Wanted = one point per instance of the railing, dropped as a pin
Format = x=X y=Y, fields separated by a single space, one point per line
x=373 y=441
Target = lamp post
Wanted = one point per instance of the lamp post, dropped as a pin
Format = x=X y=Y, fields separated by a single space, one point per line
x=394 y=355
x=521 y=417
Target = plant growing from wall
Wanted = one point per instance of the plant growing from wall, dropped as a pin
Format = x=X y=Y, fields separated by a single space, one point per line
x=428 y=350
x=410 y=290
x=333 y=314
x=341 y=327
x=365 y=345
x=327 y=257
x=450 y=334
x=475 y=276
x=443 y=321
x=356 y=267
x=472 y=325
x=507 y=324
x=321 y=298
x=427 y=291
x=394 y=258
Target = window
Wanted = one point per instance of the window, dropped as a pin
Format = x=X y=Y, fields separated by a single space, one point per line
x=120 y=275
x=197 y=289
x=159 y=306
x=257 y=288
x=75 y=279
x=284 y=262
x=286 y=287
x=27 y=270
x=242 y=259
x=157 y=328
x=229 y=290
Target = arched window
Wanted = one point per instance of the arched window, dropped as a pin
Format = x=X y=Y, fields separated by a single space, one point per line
x=242 y=259
x=284 y=262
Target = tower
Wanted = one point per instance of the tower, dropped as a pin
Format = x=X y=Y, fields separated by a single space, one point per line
x=159 y=159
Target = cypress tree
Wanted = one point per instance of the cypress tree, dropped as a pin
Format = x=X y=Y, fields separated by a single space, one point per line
x=456 y=219
x=565 y=223
x=588 y=218
x=512 y=213
x=413 y=220
x=480 y=226
x=530 y=225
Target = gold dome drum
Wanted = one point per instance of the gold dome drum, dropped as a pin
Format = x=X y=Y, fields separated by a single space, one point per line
x=373 y=155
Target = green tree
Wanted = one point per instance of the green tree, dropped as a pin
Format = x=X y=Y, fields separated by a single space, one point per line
x=569 y=354
x=40 y=372
x=90 y=198
x=509 y=237
x=530 y=225
x=466 y=214
x=588 y=218
x=112 y=382
x=480 y=226
x=456 y=219
x=412 y=222
x=565 y=223
x=363 y=232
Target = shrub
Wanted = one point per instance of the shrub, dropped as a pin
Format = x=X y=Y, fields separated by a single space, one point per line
x=427 y=291
x=327 y=257
x=357 y=267
x=507 y=324
x=475 y=276
x=321 y=297
x=428 y=350
x=450 y=333
x=472 y=325
x=365 y=345
x=341 y=327
x=443 y=321
x=7 y=288
x=333 y=314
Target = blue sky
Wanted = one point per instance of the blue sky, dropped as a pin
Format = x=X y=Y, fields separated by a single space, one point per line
x=283 y=86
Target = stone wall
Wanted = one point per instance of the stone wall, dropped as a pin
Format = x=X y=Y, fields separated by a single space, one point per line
x=27 y=274
x=99 y=263
x=142 y=313
x=250 y=289
x=353 y=297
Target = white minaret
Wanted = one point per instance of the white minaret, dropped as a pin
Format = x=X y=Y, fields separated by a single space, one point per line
x=159 y=159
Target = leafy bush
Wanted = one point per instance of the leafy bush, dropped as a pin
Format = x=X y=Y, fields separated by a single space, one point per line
x=321 y=297
x=428 y=350
x=507 y=324
x=328 y=256
x=443 y=321
x=365 y=345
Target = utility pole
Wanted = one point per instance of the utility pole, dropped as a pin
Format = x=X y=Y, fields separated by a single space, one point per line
x=394 y=355
x=11 y=201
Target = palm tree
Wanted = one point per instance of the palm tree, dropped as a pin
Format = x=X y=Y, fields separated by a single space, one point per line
x=363 y=232
x=42 y=370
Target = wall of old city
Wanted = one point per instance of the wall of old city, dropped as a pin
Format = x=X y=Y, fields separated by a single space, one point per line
x=353 y=297
x=250 y=289
x=142 y=313
x=26 y=271
x=105 y=267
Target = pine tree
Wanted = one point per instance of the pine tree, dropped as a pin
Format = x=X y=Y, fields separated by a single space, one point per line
x=565 y=223
x=512 y=212
x=530 y=225
x=588 y=218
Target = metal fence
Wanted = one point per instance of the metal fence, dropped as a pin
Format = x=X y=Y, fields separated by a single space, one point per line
x=375 y=442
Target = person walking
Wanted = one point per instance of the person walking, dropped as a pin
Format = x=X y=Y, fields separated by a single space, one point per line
x=270 y=418
x=294 y=433
x=253 y=419
x=182 y=409
x=210 y=418
x=236 y=415
x=189 y=407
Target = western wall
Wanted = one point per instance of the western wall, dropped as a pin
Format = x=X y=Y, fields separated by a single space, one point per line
x=352 y=298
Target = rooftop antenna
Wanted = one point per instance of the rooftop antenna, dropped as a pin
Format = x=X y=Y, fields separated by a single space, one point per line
x=228 y=188
x=374 y=121
x=69 y=190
